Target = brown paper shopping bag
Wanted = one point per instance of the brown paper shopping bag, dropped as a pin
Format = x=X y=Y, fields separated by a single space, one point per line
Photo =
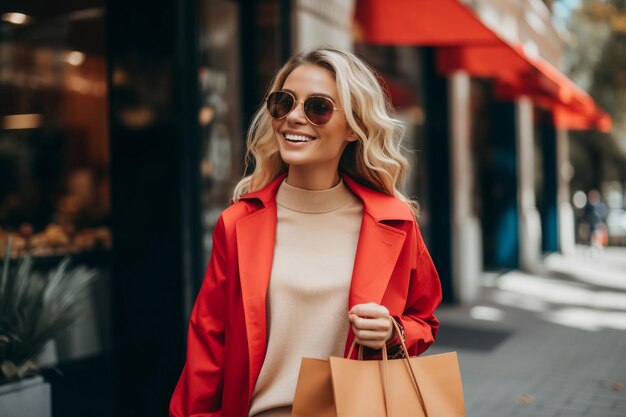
x=428 y=386
x=359 y=387
x=314 y=391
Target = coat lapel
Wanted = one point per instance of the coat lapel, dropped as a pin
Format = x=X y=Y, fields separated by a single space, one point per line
x=255 y=242
x=377 y=252
x=256 y=234
x=379 y=244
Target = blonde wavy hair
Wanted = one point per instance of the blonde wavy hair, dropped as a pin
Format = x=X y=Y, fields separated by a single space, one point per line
x=374 y=159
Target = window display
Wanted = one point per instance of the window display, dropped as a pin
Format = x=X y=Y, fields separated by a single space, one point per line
x=54 y=157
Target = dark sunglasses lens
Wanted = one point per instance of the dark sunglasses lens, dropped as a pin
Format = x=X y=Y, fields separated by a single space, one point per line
x=318 y=110
x=279 y=104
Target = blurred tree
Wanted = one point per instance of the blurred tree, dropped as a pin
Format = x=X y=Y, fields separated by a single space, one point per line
x=595 y=58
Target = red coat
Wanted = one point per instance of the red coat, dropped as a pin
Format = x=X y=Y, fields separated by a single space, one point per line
x=227 y=330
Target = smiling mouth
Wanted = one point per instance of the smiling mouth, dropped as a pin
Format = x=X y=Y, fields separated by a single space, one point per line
x=297 y=138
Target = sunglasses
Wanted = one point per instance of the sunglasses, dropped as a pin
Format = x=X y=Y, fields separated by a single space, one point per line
x=317 y=109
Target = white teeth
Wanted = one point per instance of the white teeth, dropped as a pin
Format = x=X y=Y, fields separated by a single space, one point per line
x=297 y=138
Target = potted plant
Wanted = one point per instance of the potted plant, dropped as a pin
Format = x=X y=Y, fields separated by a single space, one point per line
x=34 y=308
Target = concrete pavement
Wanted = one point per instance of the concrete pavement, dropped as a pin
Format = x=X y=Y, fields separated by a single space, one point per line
x=547 y=344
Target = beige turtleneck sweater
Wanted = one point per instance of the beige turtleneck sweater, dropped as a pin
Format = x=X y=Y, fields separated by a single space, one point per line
x=307 y=300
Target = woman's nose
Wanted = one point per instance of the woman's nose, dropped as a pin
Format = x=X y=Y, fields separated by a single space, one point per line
x=297 y=114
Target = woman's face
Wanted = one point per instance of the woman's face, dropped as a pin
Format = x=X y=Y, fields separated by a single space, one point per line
x=324 y=144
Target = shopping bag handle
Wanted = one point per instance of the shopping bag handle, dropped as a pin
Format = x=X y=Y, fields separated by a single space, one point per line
x=407 y=362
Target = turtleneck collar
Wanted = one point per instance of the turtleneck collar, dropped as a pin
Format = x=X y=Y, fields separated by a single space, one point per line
x=307 y=201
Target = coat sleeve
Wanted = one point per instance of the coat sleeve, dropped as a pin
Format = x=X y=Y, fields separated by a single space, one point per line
x=199 y=389
x=424 y=295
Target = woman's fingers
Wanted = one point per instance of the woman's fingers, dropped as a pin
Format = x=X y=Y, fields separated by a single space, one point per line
x=381 y=324
x=368 y=335
x=372 y=310
x=369 y=338
x=371 y=324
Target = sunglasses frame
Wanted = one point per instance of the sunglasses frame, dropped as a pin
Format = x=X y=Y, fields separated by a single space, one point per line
x=295 y=104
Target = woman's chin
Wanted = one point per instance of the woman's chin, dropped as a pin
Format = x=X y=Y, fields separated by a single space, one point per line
x=293 y=159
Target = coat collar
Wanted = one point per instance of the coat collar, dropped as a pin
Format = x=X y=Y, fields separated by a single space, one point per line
x=380 y=206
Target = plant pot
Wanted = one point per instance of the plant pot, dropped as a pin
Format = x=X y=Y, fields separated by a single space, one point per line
x=26 y=398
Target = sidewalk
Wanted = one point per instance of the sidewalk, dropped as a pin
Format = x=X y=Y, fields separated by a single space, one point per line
x=551 y=344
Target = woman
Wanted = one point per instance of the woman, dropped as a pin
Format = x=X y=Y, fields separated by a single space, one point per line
x=318 y=249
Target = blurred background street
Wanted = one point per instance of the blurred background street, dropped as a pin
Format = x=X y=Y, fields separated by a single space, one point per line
x=123 y=132
x=545 y=344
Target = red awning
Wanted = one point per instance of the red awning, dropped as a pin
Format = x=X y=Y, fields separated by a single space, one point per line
x=465 y=43
x=566 y=118
x=573 y=108
x=419 y=22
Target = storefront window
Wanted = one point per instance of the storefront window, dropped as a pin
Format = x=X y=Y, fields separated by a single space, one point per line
x=220 y=114
x=54 y=153
x=221 y=78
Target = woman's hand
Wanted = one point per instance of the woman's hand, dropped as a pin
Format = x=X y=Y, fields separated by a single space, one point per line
x=371 y=324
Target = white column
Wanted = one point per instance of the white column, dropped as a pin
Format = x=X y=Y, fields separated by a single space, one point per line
x=530 y=221
x=466 y=232
x=323 y=23
x=566 y=216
